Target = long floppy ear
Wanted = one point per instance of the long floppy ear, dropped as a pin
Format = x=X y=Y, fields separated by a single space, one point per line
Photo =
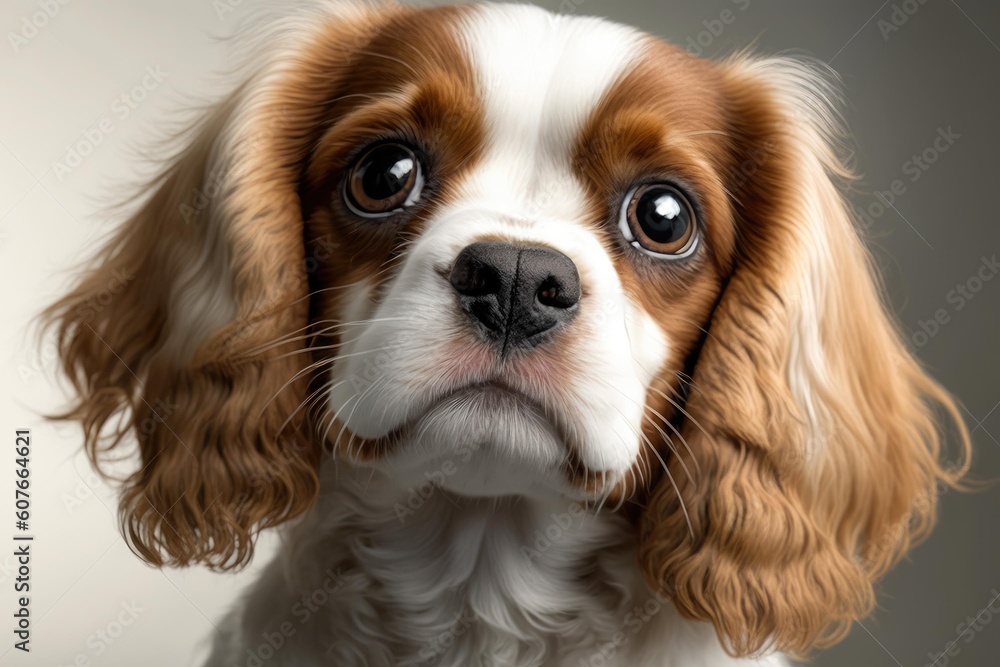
x=815 y=431
x=170 y=337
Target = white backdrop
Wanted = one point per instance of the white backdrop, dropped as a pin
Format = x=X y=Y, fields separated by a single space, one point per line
x=79 y=99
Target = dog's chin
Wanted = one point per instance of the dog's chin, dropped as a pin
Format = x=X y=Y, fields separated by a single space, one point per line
x=482 y=441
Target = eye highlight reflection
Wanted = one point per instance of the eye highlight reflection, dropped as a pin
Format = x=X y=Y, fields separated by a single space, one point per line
x=386 y=179
x=658 y=219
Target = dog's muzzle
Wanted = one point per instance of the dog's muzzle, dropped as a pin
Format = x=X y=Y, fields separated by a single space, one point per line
x=516 y=295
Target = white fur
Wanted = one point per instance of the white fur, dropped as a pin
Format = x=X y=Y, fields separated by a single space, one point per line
x=380 y=576
x=465 y=548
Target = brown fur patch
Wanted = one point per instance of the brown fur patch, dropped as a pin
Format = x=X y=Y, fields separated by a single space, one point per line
x=233 y=453
x=414 y=83
x=744 y=526
x=664 y=121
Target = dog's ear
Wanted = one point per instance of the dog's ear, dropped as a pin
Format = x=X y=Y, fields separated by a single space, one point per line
x=183 y=334
x=815 y=431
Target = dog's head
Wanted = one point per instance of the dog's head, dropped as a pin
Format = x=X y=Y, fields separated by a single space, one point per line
x=551 y=251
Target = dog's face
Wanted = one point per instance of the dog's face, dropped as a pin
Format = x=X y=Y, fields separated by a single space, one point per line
x=529 y=242
x=554 y=255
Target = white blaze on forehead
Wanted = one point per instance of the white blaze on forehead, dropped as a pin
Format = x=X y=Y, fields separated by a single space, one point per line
x=541 y=75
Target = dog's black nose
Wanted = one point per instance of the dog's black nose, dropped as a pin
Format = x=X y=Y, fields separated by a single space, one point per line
x=516 y=294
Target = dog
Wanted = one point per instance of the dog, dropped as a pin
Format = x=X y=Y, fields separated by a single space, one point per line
x=546 y=342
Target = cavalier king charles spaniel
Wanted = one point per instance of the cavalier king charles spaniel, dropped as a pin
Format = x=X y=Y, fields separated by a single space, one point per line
x=548 y=343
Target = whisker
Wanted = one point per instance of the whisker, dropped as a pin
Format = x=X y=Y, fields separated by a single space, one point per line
x=689 y=417
x=290 y=336
x=333 y=419
x=356 y=404
x=297 y=375
x=670 y=443
x=321 y=362
x=680 y=498
x=317 y=348
x=326 y=387
x=666 y=439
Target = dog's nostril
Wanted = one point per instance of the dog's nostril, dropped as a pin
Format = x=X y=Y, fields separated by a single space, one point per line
x=472 y=278
x=554 y=294
x=514 y=293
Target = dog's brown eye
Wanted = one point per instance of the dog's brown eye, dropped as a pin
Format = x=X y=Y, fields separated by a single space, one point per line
x=658 y=219
x=385 y=180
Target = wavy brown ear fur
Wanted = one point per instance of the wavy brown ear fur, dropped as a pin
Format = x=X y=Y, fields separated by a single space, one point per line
x=816 y=433
x=171 y=337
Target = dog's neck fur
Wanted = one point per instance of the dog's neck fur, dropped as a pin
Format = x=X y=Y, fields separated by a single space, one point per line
x=378 y=575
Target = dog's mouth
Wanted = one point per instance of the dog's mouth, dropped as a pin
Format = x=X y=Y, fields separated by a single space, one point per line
x=491 y=428
x=497 y=393
x=491 y=390
x=473 y=398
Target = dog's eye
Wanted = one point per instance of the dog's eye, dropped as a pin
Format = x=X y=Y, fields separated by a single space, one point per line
x=658 y=219
x=384 y=180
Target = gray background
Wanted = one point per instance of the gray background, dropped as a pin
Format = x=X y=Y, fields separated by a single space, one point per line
x=910 y=69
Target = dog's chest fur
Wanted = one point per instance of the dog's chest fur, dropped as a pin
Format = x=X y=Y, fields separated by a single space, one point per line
x=379 y=576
